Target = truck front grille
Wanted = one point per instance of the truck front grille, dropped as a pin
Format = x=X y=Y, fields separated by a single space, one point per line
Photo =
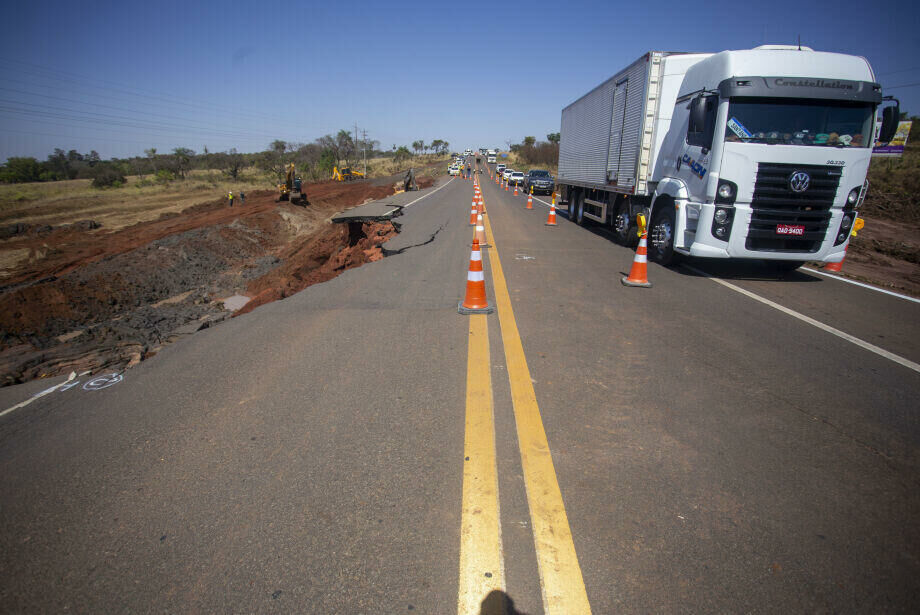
x=775 y=203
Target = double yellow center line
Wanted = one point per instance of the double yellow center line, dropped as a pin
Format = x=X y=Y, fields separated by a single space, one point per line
x=481 y=568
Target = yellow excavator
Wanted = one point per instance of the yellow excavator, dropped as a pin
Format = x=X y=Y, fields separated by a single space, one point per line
x=346 y=174
x=292 y=188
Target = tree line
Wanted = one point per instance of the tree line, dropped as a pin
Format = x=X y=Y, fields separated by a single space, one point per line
x=314 y=161
x=538 y=153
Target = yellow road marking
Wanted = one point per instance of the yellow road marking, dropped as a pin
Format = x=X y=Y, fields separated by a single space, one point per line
x=481 y=564
x=560 y=575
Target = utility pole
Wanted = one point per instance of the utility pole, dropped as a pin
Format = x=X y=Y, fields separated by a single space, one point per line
x=364 y=135
x=356 y=139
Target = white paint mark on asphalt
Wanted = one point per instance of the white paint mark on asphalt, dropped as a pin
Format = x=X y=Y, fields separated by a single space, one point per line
x=842 y=335
x=524 y=257
x=427 y=195
x=37 y=395
x=869 y=286
x=103 y=382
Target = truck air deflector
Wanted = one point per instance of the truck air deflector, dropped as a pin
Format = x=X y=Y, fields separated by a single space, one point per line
x=802 y=87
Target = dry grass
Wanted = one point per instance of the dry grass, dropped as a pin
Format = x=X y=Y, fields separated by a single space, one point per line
x=144 y=199
x=139 y=200
x=382 y=167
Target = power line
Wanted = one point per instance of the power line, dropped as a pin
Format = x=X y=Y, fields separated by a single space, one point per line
x=906 y=85
x=894 y=72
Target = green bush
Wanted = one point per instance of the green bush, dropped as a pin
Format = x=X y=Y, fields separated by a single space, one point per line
x=108 y=177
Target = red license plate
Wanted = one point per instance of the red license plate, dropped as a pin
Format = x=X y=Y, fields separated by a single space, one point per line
x=790 y=229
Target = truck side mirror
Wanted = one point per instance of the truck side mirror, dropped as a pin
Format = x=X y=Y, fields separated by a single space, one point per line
x=890 y=118
x=697 y=114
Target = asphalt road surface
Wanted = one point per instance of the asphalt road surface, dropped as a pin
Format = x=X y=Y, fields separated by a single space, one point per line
x=725 y=441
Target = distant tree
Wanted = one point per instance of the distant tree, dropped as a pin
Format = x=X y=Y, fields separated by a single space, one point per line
x=328 y=142
x=57 y=165
x=553 y=137
x=182 y=161
x=346 y=146
x=152 y=157
x=231 y=163
x=20 y=169
x=93 y=158
x=402 y=153
x=417 y=146
x=444 y=147
x=107 y=176
x=529 y=141
x=324 y=165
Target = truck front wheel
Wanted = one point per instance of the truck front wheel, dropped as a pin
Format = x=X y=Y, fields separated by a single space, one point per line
x=624 y=226
x=661 y=234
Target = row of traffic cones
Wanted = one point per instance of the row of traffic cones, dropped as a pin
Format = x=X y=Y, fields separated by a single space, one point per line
x=475 y=301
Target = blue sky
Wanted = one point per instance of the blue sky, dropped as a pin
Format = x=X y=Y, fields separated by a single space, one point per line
x=120 y=77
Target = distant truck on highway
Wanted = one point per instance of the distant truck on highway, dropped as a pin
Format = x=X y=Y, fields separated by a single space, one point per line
x=757 y=154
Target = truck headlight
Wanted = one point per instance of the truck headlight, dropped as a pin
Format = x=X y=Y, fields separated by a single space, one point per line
x=853 y=197
x=726 y=192
x=722 y=220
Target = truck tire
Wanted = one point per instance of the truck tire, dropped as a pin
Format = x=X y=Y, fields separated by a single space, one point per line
x=577 y=208
x=624 y=225
x=661 y=233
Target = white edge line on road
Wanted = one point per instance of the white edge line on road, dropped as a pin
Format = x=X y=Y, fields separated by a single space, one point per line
x=869 y=286
x=426 y=195
x=37 y=395
x=846 y=336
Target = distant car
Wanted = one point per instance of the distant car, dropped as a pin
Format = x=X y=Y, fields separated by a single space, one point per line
x=540 y=181
x=506 y=174
x=516 y=178
x=453 y=170
x=500 y=169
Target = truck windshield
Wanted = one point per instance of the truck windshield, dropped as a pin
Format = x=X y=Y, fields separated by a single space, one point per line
x=826 y=123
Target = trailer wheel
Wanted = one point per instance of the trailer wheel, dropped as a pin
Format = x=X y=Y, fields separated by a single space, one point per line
x=577 y=208
x=661 y=233
x=624 y=225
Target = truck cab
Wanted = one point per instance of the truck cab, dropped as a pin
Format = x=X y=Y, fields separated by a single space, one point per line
x=765 y=156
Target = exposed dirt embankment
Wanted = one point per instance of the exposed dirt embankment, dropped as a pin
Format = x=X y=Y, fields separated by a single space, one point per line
x=83 y=298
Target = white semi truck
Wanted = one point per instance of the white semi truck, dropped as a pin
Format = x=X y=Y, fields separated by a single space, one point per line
x=758 y=154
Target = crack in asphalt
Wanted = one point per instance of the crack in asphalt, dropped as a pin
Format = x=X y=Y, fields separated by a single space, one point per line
x=424 y=243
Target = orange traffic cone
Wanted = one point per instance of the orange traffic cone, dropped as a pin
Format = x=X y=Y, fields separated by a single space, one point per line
x=515 y=189
x=473 y=213
x=481 y=231
x=638 y=275
x=506 y=185
x=858 y=225
x=836 y=267
x=475 y=301
x=551 y=219
x=529 y=201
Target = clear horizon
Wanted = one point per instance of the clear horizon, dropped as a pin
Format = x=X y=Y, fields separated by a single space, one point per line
x=122 y=78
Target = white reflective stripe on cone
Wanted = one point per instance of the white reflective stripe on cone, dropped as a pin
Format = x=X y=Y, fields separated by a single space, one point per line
x=476 y=256
x=641 y=258
x=475 y=276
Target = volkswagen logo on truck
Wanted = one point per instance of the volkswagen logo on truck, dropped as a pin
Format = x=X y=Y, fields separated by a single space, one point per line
x=798 y=181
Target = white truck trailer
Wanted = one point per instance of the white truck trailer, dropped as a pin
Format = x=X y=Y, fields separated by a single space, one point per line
x=758 y=153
